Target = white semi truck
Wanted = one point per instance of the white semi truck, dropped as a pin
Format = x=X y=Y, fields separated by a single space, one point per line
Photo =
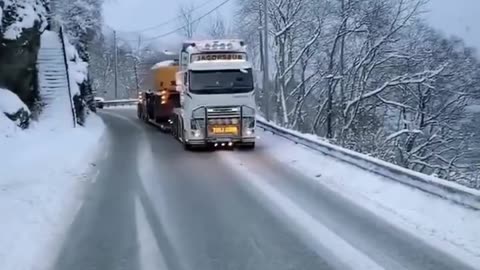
x=217 y=99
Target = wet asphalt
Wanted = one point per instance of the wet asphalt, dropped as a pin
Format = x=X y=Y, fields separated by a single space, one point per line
x=203 y=218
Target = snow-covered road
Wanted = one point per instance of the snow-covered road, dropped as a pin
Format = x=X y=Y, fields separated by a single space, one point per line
x=155 y=206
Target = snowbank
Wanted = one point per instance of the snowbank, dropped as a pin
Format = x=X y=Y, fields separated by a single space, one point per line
x=7 y=126
x=41 y=176
x=428 y=183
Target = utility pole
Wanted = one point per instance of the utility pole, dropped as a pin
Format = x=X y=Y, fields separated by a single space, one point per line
x=116 y=62
x=266 y=74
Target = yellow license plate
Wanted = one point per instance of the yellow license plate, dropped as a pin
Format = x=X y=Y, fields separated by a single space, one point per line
x=225 y=130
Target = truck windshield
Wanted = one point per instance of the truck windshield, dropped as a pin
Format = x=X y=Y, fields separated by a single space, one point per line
x=221 y=82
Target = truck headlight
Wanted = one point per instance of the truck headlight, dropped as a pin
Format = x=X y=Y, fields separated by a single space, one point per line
x=198 y=113
x=248 y=126
x=249 y=122
x=197 y=127
x=197 y=124
x=248 y=111
x=196 y=133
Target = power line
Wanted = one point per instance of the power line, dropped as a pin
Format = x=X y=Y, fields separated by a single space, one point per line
x=166 y=22
x=194 y=21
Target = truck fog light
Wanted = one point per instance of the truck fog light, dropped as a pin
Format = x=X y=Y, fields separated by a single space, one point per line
x=249 y=132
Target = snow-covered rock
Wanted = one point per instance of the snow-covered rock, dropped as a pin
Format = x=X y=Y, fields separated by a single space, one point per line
x=10 y=103
x=13 y=113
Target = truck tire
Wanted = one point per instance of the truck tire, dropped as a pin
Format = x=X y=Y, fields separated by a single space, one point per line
x=180 y=131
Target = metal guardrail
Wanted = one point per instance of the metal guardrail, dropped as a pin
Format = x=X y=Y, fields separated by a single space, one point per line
x=448 y=190
x=119 y=102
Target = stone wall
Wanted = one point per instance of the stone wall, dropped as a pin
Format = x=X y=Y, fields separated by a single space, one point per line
x=18 y=70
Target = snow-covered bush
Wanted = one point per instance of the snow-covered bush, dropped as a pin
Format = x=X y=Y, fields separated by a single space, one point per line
x=78 y=73
x=12 y=108
x=19 y=15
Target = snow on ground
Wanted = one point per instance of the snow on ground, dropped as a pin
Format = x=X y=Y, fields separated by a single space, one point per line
x=427 y=178
x=41 y=178
x=7 y=127
x=446 y=225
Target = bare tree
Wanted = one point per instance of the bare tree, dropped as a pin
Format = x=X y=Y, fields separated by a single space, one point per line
x=217 y=27
x=187 y=21
x=370 y=76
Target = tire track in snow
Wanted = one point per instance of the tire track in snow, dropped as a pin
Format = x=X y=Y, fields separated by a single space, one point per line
x=336 y=250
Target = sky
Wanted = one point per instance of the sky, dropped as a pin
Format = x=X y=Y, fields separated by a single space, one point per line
x=128 y=16
x=453 y=17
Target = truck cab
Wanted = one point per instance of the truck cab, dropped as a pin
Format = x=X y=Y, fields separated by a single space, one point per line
x=217 y=99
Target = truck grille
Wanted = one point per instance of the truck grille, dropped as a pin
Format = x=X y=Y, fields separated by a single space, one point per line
x=223 y=112
x=224 y=121
x=220 y=118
